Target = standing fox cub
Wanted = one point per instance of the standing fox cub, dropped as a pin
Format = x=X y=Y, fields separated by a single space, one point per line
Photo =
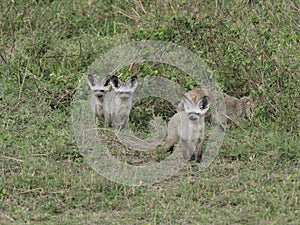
x=188 y=128
x=117 y=104
x=99 y=89
x=235 y=108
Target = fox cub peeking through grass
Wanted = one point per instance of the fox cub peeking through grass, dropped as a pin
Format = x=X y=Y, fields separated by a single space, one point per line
x=117 y=104
x=99 y=89
x=236 y=109
x=188 y=128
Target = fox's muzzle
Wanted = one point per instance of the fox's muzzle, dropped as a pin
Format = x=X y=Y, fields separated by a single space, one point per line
x=194 y=116
x=124 y=95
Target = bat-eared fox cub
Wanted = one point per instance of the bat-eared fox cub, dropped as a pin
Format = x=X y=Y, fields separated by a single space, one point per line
x=117 y=104
x=188 y=128
x=99 y=89
x=236 y=109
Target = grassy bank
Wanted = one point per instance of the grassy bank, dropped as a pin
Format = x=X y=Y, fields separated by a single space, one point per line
x=253 y=49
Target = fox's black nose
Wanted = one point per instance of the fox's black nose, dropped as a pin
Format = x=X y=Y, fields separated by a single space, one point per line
x=124 y=93
x=124 y=97
x=194 y=116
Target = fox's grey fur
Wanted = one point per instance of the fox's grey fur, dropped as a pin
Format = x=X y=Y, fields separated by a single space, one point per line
x=188 y=128
x=117 y=104
x=99 y=89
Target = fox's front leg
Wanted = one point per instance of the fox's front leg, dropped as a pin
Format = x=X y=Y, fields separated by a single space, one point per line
x=189 y=150
x=118 y=127
x=199 y=152
x=117 y=123
x=107 y=119
x=186 y=152
x=123 y=122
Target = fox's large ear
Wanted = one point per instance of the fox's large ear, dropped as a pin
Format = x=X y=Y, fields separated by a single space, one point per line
x=187 y=103
x=115 y=81
x=106 y=81
x=133 y=82
x=204 y=103
x=92 y=80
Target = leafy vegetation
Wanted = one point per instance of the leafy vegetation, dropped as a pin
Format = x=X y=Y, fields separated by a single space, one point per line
x=251 y=46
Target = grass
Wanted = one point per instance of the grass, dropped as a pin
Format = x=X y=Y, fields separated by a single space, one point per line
x=47 y=46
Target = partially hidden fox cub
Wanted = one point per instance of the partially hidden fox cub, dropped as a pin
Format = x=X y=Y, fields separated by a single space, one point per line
x=117 y=104
x=188 y=128
x=99 y=89
x=236 y=109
